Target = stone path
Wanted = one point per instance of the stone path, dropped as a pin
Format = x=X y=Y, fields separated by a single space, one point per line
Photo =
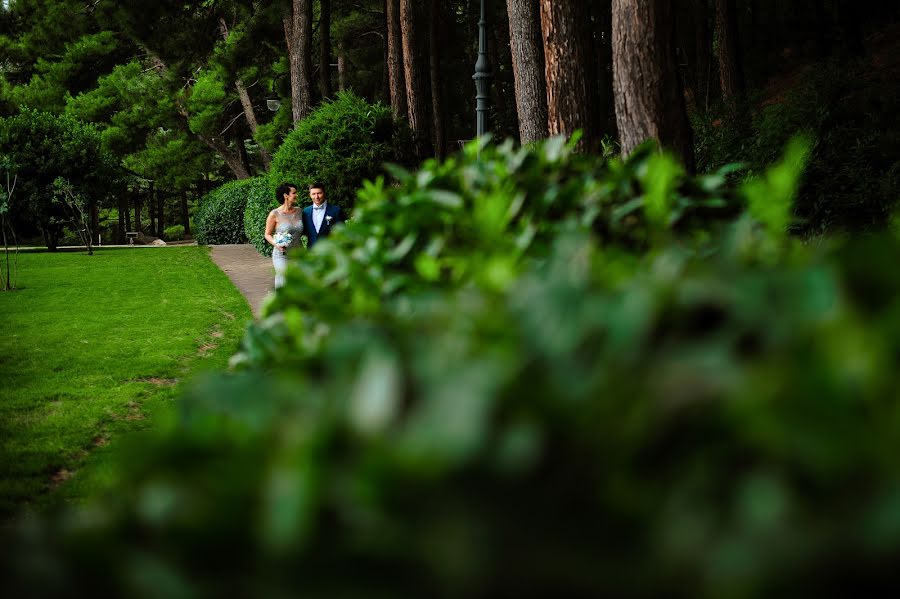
x=251 y=273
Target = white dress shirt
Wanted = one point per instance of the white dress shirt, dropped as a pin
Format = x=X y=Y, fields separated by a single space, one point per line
x=318 y=214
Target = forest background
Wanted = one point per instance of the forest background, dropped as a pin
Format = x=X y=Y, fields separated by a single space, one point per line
x=172 y=99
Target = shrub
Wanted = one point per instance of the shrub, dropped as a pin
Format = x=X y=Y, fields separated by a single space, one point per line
x=174 y=233
x=588 y=386
x=260 y=201
x=852 y=181
x=220 y=215
x=341 y=144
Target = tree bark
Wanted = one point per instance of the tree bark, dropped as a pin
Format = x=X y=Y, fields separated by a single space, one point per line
x=567 y=52
x=416 y=88
x=297 y=22
x=342 y=69
x=151 y=211
x=703 y=51
x=526 y=48
x=137 y=211
x=731 y=75
x=246 y=103
x=437 y=111
x=325 y=48
x=123 y=213
x=649 y=100
x=396 y=76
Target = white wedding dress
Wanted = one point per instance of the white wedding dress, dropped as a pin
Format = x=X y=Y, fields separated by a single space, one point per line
x=286 y=222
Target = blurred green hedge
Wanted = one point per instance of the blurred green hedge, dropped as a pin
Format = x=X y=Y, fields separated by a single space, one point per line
x=531 y=374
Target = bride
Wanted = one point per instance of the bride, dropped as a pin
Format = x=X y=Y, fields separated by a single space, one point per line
x=283 y=228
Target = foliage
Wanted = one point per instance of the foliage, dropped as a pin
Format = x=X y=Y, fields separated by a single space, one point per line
x=174 y=233
x=91 y=348
x=853 y=178
x=341 y=144
x=260 y=201
x=220 y=215
x=76 y=208
x=42 y=147
x=545 y=413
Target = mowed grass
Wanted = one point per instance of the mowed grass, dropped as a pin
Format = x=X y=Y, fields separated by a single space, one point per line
x=93 y=346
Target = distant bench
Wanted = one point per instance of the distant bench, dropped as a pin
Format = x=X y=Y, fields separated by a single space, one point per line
x=131 y=236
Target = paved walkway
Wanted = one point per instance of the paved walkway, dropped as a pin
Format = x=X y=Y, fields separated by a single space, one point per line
x=250 y=272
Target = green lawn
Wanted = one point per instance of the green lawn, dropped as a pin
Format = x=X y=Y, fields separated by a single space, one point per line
x=93 y=346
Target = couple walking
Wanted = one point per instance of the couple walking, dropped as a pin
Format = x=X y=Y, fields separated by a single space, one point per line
x=287 y=223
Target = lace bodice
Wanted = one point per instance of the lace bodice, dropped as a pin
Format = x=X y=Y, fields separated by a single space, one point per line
x=289 y=223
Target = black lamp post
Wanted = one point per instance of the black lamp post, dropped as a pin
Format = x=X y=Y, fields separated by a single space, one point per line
x=482 y=78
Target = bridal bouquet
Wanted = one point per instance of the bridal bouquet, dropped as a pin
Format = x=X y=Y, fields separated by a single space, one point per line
x=283 y=238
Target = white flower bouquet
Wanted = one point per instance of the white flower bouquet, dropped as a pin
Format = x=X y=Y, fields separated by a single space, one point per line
x=283 y=238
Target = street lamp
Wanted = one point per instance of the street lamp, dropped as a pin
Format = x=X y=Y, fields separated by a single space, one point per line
x=482 y=78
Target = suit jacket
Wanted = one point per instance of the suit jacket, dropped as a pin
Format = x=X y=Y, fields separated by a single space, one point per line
x=328 y=224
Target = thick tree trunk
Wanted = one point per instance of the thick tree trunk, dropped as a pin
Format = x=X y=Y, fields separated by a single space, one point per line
x=731 y=74
x=411 y=24
x=246 y=103
x=297 y=22
x=526 y=48
x=95 y=221
x=396 y=76
x=437 y=94
x=649 y=100
x=567 y=52
x=325 y=48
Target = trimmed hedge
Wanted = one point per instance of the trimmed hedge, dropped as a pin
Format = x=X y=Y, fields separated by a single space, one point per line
x=341 y=144
x=220 y=216
x=260 y=201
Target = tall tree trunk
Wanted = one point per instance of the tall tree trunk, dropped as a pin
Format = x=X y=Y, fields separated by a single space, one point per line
x=851 y=28
x=185 y=215
x=325 y=48
x=731 y=74
x=437 y=110
x=567 y=52
x=342 y=69
x=297 y=22
x=396 y=75
x=526 y=48
x=649 y=100
x=411 y=24
x=246 y=103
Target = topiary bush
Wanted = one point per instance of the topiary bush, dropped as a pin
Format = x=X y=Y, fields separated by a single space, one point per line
x=260 y=201
x=341 y=144
x=174 y=233
x=220 y=215
x=613 y=392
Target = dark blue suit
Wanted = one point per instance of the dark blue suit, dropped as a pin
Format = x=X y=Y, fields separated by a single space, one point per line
x=309 y=227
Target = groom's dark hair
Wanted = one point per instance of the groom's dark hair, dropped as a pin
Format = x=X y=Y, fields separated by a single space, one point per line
x=283 y=189
x=316 y=185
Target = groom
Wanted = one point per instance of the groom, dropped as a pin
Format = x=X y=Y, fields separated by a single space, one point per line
x=319 y=218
